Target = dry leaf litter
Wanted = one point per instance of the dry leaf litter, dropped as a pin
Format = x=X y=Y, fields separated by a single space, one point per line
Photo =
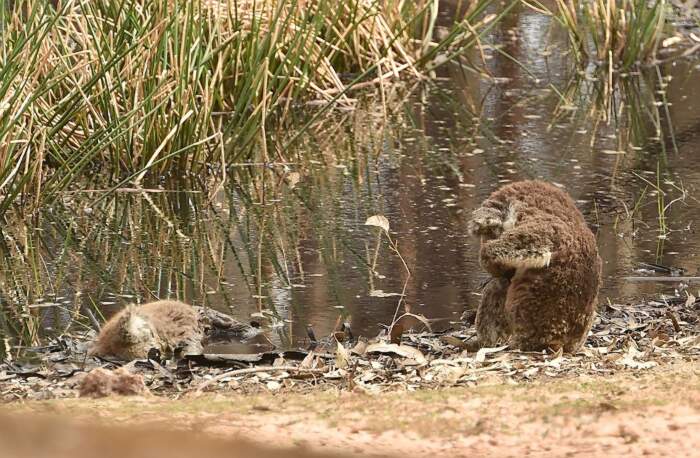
x=631 y=337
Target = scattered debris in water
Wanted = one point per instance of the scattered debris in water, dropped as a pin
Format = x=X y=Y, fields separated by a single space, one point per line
x=649 y=267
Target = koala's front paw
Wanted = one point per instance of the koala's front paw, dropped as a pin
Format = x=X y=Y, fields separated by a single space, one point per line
x=530 y=257
x=486 y=222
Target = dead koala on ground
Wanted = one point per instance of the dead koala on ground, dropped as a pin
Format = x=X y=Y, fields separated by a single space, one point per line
x=167 y=326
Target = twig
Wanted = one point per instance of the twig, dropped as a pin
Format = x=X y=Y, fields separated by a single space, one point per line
x=394 y=246
x=133 y=190
x=253 y=370
x=674 y=321
x=685 y=53
x=93 y=320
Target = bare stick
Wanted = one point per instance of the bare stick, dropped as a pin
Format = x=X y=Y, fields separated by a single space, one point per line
x=664 y=279
x=253 y=370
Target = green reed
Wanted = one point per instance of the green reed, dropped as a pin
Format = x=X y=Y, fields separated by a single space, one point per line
x=229 y=248
x=134 y=90
x=618 y=34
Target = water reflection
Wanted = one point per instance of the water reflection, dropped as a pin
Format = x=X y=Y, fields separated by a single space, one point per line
x=291 y=249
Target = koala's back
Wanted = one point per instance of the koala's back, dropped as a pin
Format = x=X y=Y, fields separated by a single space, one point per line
x=537 y=201
x=547 y=209
x=174 y=322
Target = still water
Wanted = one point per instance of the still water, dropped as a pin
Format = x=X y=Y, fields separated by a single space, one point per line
x=293 y=249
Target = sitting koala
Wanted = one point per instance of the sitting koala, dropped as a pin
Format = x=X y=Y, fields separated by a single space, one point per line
x=545 y=267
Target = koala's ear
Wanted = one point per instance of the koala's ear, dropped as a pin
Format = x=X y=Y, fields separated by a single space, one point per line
x=93 y=349
x=124 y=323
x=126 y=315
x=474 y=228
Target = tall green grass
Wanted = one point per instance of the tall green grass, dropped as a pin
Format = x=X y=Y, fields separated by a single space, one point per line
x=618 y=34
x=135 y=89
x=632 y=105
x=231 y=248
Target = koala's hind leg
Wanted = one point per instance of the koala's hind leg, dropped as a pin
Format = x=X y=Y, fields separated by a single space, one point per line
x=492 y=324
x=538 y=308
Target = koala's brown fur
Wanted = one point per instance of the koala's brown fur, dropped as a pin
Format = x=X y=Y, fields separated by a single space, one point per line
x=545 y=267
x=101 y=382
x=164 y=325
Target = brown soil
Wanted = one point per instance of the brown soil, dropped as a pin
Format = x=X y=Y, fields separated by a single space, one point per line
x=654 y=412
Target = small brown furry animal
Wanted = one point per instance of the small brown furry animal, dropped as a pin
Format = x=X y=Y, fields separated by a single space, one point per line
x=545 y=267
x=164 y=325
x=100 y=382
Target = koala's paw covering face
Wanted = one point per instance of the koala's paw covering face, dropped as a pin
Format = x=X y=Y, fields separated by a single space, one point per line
x=486 y=222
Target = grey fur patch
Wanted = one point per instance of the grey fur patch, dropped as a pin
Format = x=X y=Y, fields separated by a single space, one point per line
x=139 y=329
x=511 y=218
x=537 y=261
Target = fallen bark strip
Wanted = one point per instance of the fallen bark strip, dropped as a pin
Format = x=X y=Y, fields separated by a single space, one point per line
x=223 y=359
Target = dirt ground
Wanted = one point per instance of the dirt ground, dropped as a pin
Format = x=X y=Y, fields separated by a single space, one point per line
x=654 y=412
